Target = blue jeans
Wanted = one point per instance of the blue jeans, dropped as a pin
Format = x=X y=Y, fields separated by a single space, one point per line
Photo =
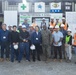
x=75 y=50
x=14 y=53
x=24 y=47
x=4 y=46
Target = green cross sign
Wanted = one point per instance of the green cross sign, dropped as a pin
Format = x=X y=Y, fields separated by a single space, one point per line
x=23 y=7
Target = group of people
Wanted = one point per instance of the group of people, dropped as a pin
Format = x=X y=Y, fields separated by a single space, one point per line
x=41 y=43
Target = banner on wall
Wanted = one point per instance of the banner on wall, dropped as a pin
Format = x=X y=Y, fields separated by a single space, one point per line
x=39 y=17
x=55 y=7
x=39 y=7
x=23 y=7
x=22 y=17
x=71 y=20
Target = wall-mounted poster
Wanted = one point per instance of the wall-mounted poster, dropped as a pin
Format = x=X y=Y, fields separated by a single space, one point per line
x=24 y=16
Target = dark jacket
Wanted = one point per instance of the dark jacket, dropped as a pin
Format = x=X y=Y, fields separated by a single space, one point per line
x=14 y=37
x=64 y=32
x=4 y=36
x=24 y=35
x=36 y=38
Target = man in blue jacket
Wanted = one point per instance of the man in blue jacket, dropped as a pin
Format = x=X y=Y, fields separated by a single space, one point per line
x=36 y=40
x=5 y=40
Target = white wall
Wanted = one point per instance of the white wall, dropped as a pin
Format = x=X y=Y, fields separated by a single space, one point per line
x=75 y=7
x=10 y=18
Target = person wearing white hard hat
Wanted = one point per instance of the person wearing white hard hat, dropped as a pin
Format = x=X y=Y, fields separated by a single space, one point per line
x=65 y=24
x=51 y=28
x=24 y=44
x=57 y=42
x=68 y=44
x=43 y=23
x=52 y=23
x=64 y=32
x=31 y=30
x=14 y=39
x=57 y=22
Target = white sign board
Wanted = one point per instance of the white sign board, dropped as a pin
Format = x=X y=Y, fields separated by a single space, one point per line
x=10 y=18
x=55 y=6
x=39 y=7
x=23 y=7
x=71 y=20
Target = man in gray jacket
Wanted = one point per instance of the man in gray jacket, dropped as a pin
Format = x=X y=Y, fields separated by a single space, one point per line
x=46 y=42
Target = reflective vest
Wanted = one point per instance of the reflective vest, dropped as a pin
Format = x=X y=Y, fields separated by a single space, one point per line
x=65 y=26
x=67 y=39
x=74 y=42
x=52 y=24
x=58 y=24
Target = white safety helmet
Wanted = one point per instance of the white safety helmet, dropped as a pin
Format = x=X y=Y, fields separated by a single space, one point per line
x=69 y=30
x=23 y=26
x=32 y=47
x=15 y=47
x=56 y=26
x=62 y=25
x=63 y=18
x=52 y=17
x=43 y=18
x=20 y=24
x=50 y=26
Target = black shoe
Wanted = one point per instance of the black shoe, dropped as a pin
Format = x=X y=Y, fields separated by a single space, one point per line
x=19 y=61
x=16 y=59
x=39 y=60
x=69 y=61
x=33 y=60
x=29 y=60
x=64 y=57
x=12 y=61
x=75 y=62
